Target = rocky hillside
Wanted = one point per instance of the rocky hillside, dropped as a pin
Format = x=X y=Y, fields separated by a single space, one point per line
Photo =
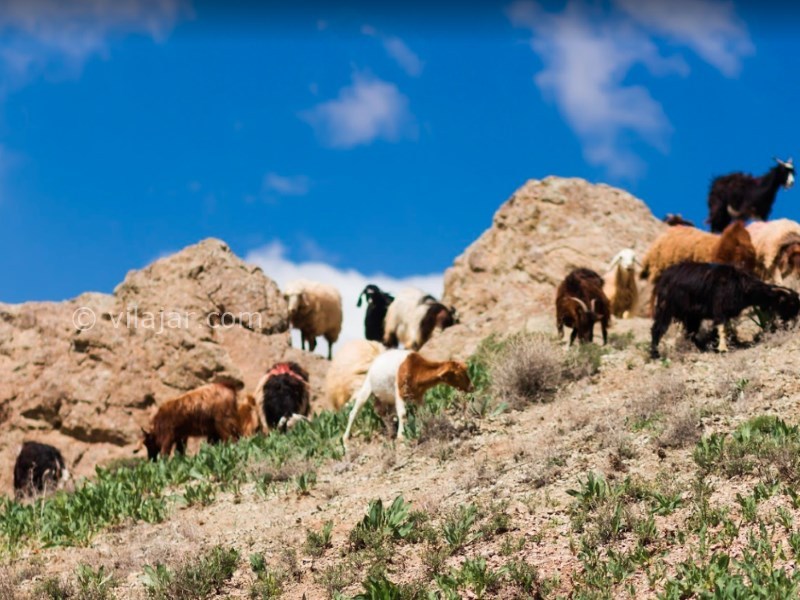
x=83 y=374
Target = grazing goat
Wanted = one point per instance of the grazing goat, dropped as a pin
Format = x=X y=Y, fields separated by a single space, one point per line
x=680 y=243
x=400 y=376
x=672 y=220
x=283 y=393
x=413 y=317
x=580 y=303
x=619 y=284
x=690 y=292
x=348 y=369
x=377 y=304
x=211 y=411
x=777 y=245
x=315 y=309
x=39 y=468
x=742 y=196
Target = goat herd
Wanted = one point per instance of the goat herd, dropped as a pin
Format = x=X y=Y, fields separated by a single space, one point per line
x=699 y=275
x=696 y=276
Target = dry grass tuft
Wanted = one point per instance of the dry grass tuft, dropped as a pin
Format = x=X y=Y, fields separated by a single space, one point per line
x=682 y=430
x=525 y=370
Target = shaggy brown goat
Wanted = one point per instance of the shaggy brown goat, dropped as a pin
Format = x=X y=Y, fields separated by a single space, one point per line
x=212 y=411
x=680 y=244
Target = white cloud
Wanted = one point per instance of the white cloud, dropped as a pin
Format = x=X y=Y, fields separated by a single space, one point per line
x=589 y=53
x=710 y=28
x=367 y=110
x=56 y=37
x=286 y=186
x=272 y=259
x=398 y=50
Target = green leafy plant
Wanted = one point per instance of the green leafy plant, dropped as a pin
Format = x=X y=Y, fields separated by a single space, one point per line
x=317 y=543
x=269 y=583
x=457 y=527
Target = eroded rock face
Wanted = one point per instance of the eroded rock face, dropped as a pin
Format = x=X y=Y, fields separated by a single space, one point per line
x=506 y=280
x=84 y=374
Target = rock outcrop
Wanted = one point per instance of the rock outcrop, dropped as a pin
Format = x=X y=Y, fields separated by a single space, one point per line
x=505 y=281
x=85 y=374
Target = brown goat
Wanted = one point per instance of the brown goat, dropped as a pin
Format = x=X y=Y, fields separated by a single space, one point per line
x=399 y=376
x=681 y=244
x=580 y=303
x=212 y=411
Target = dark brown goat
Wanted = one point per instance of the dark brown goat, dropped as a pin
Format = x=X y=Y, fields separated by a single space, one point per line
x=212 y=411
x=580 y=303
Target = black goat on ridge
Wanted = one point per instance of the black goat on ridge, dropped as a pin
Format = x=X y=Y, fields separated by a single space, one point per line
x=742 y=196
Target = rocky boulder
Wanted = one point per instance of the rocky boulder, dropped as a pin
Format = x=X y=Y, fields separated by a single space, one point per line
x=85 y=374
x=505 y=281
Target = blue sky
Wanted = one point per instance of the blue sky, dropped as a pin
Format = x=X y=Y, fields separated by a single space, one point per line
x=358 y=141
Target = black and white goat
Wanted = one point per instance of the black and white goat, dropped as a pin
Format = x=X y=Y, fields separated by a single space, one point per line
x=413 y=317
x=378 y=303
x=690 y=292
x=742 y=196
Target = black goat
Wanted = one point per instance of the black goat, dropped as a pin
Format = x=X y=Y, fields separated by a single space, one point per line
x=378 y=303
x=742 y=196
x=283 y=393
x=39 y=468
x=580 y=303
x=690 y=292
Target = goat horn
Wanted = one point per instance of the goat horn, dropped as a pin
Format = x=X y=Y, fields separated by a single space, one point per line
x=581 y=303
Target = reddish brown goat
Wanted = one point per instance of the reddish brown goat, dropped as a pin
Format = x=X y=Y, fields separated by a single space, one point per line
x=580 y=303
x=212 y=411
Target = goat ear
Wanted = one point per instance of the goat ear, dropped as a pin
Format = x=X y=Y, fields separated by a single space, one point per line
x=360 y=296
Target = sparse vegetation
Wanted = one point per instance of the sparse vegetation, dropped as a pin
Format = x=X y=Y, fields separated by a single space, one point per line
x=195 y=579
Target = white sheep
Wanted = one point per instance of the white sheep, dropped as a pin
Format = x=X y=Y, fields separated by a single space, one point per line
x=315 y=309
x=348 y=369
x=777 y=245
x=412 y=318
x=619 y=284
